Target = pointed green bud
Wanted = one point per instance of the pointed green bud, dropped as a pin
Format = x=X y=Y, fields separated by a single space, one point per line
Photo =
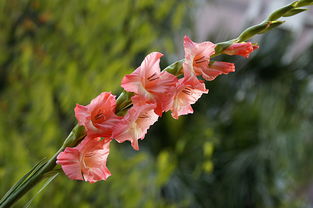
x=251 y=31
x=175 y=68
x=77 y=134
x=294 y=12
x=273 y=25
x=280 y=12
x=302 y=3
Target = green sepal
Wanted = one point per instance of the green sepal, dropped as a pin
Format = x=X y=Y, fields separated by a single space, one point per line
x=302 y=3
x=220 y=47
x=175 y=68
x=251 y=31
x=123 y=101
x=76 y=135
x=124 y=111
x=280 y=12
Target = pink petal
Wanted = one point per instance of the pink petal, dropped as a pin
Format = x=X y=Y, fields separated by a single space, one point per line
x=188 y=90
x=81 y=113
x=217 y=68
x=136 y=122
x=150 y=65
x=164 y=92
x=149 y=83
x=197 y=61
x=144 y=76
x=98 y=117
x=69 y=160
x=87 y=161
x=197 y=55
x=164 y=84
x=132 y=82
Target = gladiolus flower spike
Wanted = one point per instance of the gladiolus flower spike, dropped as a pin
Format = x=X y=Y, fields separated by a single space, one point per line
x=153 y=92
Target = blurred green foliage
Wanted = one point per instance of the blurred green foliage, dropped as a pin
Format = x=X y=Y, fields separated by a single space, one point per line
x=248 y=143
x=54 y=54
x=262 y=118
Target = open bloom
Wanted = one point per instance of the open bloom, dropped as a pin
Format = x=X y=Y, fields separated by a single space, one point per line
x=188 y=90
x=197 y=60
x=197 y=56
x=148 y=82
x=241 y=49
x=87 y=161
x=98 y=117
x=136 y=122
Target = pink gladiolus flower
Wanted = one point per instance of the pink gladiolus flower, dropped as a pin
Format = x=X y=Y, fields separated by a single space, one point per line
x=188 y=90
x=98 y=117
x=197 y=56
x=87 y=161
x=217 y=68
x=148 y=82
x=136 y=122
x=241 y=49
x=197 y=60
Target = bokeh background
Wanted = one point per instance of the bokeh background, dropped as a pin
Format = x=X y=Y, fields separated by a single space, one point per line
x=248 y=144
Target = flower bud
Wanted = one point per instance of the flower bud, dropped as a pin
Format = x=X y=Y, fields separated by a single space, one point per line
x=294 y=12
x=241 y=49
x=302 y=3
x=280 y=12
x=251 y=31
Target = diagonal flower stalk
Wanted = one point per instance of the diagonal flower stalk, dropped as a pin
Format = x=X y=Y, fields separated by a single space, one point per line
x=40 y=170
x=44 y=169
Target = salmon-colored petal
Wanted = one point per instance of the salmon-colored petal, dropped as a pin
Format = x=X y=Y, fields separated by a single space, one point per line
x=182 y=110
x=150 y=84
x=164 y=92
x=69 y=160
x=98 y=117
x=87 y=161
x=97 y=174
x=150 y=66
x=166 y=82
x=145 y=76
x=188 y=90
x=197 y=60
x=136 y=122
x=193 y=49
x=81 y=113
x=132 y=82
x=217 y=68
x=197 y=55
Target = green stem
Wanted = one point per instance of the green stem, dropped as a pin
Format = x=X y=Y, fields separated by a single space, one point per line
x=76 y=135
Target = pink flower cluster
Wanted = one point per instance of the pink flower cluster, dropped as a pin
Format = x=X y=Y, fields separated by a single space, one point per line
x=155 y=92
